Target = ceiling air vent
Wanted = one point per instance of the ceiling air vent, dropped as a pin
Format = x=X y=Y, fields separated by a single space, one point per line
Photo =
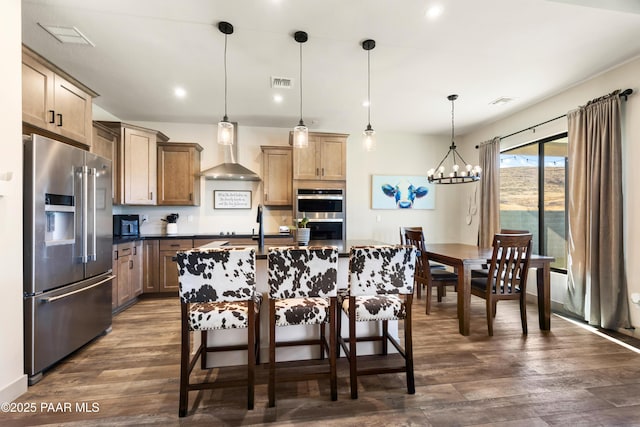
x=281 y=82
x=66 y=34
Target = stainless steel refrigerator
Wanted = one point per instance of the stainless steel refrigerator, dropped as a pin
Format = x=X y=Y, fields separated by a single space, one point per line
x=68 y=233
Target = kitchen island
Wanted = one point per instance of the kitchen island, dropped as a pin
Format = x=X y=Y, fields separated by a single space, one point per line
x=231 y=337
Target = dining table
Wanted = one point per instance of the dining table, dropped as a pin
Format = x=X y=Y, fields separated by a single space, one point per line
x=464 y=258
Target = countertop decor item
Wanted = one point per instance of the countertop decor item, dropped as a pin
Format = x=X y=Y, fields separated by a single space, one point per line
x=172 y=226
x=303 y=234
x=456 y=176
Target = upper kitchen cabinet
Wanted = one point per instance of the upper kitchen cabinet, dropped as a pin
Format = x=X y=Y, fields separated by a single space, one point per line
x=324 y=159
x=104 y=143
x=54 y=103
x=276 y=175
x=136 y=164
x=179 y=173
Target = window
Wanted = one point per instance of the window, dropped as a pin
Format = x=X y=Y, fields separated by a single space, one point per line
x=533 y=181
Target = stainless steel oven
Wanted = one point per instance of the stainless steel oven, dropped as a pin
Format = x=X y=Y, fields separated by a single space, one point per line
x=325 y=209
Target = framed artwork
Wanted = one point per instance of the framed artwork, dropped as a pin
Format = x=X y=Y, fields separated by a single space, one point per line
x=232 y=199
x=402 y=192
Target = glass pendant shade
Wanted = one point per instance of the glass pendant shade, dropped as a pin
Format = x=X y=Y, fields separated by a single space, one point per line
x=369 y=139
x=225 y=132
x=301 y=135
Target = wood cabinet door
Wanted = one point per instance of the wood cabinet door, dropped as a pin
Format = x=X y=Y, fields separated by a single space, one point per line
x=125 y=265
x=168 y=272
x=305 y=165
x=332 y=152
x=137 y=268
x=277 y=176
x=104 y=143
x=139 y=164
x=114 y=282
x=150 y=266
x=179 y=174
x=73 y=109
x=37 y=93
x=168 y=267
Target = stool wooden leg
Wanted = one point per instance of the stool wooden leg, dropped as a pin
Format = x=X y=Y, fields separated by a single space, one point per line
x=272 y=353
x=385 y=337
x=322 y=340
x=408 y=348
x=184 y=363
x=333 y=349
x=251 y=356
x=203 y=348
x=353 y=367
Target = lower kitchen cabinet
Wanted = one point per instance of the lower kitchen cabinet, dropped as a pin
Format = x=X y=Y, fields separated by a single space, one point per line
x=151 y=266
x=168 y=280
x=127 y=267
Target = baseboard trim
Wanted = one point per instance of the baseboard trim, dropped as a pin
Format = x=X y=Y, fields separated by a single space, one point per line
x=14 y=390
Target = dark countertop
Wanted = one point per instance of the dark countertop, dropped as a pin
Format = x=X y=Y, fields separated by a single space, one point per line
x=125 y=239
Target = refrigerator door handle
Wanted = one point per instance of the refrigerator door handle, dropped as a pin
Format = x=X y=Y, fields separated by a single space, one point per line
x=57 y=297
x=85 y=213
x=94 y=245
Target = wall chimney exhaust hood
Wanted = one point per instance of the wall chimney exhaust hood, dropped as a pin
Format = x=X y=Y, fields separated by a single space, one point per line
x=230 y=170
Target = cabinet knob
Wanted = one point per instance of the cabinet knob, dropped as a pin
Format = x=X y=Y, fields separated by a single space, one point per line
x=59 y=119
x=266 y=197
x=53 y=116
x=317 y=171
x=130 y=264
x=322 y=171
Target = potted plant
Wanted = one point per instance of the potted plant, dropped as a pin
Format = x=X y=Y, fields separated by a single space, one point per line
x=303 y=233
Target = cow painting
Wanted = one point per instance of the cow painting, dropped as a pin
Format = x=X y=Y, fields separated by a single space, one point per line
x=404 y=193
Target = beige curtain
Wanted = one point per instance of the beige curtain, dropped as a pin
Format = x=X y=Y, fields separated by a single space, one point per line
x=489 y=192
x=596 y=259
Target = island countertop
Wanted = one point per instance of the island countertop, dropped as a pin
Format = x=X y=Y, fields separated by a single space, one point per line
x=344 y=246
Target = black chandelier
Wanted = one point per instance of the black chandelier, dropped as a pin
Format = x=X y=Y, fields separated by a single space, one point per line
x=455 y=176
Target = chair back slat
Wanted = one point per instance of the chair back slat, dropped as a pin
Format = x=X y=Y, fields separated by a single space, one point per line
x=510 y=262
x=379 y=270
x=303 y=272
x=416 y=238
x=216 y=274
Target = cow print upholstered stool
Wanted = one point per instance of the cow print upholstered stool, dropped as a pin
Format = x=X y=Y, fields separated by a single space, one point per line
x=380 y=289
x=302 y=291
x=217 y=291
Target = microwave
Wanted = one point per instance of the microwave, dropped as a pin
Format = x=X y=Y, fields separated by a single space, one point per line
x=126 y=225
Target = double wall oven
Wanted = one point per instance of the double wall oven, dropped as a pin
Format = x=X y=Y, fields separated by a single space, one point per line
x=325 y=208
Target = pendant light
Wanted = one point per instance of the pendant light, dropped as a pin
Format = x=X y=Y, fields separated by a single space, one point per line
x=369 y=140
x=300 y=132
x=456 y=176
x=225 y=127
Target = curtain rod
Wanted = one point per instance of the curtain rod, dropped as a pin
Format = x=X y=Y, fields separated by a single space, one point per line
x=624 y=94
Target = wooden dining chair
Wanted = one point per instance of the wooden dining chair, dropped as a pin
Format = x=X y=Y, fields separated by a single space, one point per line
x=507 y=277
x=302 y=291
x=217 y=291
x=484 y=271
x=403 y=241
x=380 y=289
x=428 y=277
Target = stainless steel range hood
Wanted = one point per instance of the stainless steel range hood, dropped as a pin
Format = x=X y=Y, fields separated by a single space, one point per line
x=230 y=170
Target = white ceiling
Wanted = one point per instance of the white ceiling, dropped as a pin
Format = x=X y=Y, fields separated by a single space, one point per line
x=480 y=49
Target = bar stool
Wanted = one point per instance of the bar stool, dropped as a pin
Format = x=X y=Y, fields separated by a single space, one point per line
x=217 y=291
x=378 y=275
x=302 y=291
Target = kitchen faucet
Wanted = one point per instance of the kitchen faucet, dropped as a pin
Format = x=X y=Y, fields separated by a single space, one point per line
x=260 y=237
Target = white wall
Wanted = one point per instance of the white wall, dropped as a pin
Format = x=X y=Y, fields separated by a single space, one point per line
x=622 y=77
x=13 y=381
x=397 y=154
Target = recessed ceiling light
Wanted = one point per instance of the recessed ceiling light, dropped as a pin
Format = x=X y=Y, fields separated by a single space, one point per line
x=277 y=98
x=365 y=103
x=66 y=34
x=180 y=92
x=434 y=11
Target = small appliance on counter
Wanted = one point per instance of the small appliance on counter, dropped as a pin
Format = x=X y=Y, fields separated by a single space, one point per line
x=172 y=223
x=126 y=225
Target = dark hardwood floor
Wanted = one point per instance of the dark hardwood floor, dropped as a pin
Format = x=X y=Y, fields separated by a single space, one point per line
x=568 y=376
